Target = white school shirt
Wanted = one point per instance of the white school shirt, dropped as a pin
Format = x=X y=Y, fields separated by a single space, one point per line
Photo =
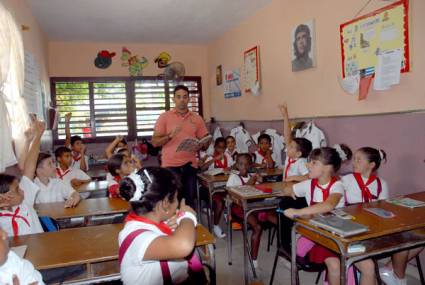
x=26 y=212
x=135 y=270
x=259 y=158
x=303 y=189
x=297 y=168
x=313 y=134
x=243 y=139
x=71 y=173
x=277 y=143
x=229 y=162
x=231 y=153
x=20 y=267
x=235 y=180
x=55 y=191
x=353 y=193
x=76 y=164
x=217 y=134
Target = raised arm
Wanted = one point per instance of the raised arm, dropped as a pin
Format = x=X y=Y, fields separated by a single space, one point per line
x=109 y=151
x=67 y=129
x=29 y=136
x=286 y=126
x=83 y=165
x=34 y=150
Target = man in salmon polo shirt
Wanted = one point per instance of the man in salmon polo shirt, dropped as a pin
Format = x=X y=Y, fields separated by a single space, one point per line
x=171 y=128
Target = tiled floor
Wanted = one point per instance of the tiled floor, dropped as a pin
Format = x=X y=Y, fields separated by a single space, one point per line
x=234 y=274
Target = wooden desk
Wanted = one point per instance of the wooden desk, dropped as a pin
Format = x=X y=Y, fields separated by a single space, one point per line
x=405 y=230
x=95 y=188
x=217 y=183
x=97 y=173
x=88 y=246
x=249 y=204
x=87 y=209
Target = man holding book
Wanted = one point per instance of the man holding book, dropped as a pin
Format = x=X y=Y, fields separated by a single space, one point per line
x=177 y=126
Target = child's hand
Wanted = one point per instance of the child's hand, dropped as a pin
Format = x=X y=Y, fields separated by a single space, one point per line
x=118 y=138
x=172 y=222
x=284 y=109
x=291 y=213
x=185 y=208
x=71 y=202
x=39 y=127
x=136 y=162
x=68 y=117
x=83 y=149
x=30 y=133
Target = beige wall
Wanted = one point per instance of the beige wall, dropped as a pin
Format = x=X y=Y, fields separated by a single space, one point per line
x=76 y=59
x=313 y=92
x=35 y=41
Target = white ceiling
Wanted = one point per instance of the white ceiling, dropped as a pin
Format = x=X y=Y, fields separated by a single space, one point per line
x=149 y=21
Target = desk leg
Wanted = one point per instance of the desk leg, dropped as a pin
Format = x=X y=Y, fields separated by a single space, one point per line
x=211 y=252
x=210 y=211
x=294 y=256
x=247 y=251
x=344 y=269
x=229 y=230
x=198 y=211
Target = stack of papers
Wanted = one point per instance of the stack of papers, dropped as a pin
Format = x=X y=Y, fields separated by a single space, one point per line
x=407 y=202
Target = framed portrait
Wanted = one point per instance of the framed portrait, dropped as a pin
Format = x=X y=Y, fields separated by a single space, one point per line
x=219 y=75
x=303 y=42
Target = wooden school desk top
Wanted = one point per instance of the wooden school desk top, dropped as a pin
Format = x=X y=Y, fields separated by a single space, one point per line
x=93 y=186
x=97 y=173
x=88 y=207
x=81 y=245
x=276 y=186
x=225 y=177
x=405 y=220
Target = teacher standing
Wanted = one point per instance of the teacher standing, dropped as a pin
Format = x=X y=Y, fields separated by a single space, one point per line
x=171 y=128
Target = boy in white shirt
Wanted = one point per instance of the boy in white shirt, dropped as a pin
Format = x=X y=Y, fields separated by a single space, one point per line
x=17 y=214
x=53 y=189
x=231 y=147
x=297 y=151
x=64 y=171
x=13 y=269
x=77 y=146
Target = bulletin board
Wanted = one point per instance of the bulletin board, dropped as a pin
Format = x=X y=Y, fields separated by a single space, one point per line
x=363 y=38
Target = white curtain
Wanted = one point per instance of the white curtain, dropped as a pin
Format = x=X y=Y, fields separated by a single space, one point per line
x=13 y=115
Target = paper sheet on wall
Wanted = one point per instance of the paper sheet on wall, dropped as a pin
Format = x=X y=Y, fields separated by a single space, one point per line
x=387 y=71
x=32 y=86
x=232 y=85
x=350 y=84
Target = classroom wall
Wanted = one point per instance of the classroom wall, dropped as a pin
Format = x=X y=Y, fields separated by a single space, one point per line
x=35 y=40
x=314 y=92
x=76 y=59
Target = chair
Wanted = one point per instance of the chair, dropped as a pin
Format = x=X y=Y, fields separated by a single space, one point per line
x=283 y=249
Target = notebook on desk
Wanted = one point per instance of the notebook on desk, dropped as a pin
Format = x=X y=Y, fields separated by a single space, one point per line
x=338 y=226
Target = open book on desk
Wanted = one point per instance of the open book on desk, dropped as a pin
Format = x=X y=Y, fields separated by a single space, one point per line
x=193 y=145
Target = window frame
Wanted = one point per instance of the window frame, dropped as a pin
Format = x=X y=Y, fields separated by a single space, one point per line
x=131 y=101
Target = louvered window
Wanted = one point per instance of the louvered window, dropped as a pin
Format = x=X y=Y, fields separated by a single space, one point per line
x=105 y=107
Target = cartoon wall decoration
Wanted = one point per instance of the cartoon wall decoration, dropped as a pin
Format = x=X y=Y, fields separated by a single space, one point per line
x=104 y=59
x=133 y=62
x=163 y=59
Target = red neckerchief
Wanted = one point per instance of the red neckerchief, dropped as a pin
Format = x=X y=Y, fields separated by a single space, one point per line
x=263 y=154
x=163 y=227
x=219 y=163
x=15 y=216
x=61 y=174
x=117 y=178
x=325 y=191
x=76 y=156
x=290 y=162
x=366 y=194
